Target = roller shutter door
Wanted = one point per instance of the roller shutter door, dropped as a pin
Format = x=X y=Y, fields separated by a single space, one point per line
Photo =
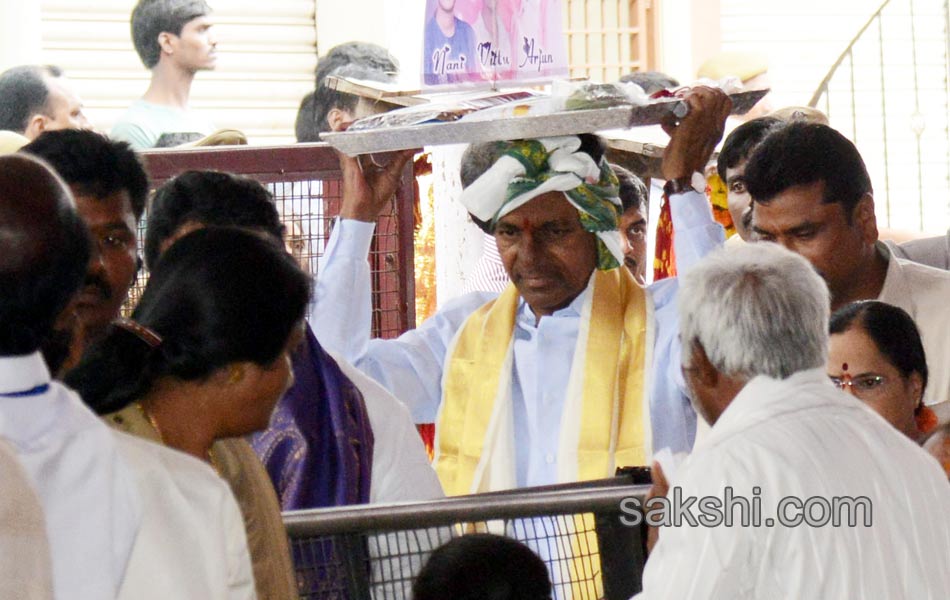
x=266 y=58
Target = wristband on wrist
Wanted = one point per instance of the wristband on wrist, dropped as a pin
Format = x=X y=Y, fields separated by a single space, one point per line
x=681 y=185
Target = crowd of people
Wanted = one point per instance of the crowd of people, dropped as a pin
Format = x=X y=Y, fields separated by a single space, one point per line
x=150 y=456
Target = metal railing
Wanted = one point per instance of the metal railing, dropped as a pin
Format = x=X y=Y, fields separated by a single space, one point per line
x=306 y=182
x=889 y=92
x=358 y=553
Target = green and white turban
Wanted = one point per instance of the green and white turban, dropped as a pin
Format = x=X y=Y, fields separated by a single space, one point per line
x=531 y=168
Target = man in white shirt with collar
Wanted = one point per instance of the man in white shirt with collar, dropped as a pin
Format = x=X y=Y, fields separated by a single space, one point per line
x=89 y=496
x=754 y=323
x=811 y=193
x=125 y=518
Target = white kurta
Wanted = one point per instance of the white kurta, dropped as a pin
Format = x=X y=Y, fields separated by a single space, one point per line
x=924 y=292
x=25 y=571
x=801 y=437
x=412 y=366
x=192 y=543
x=89 y=495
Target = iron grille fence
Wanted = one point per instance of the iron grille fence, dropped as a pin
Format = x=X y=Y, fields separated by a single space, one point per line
x=306 y=182
x=889 y=92
x=359 y=553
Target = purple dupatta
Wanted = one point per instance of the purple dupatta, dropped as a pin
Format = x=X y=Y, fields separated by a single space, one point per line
x=318 y=449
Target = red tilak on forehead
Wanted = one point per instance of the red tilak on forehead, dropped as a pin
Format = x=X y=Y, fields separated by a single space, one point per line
x=844 y=367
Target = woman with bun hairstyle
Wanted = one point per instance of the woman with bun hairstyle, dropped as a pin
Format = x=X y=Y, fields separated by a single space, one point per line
x=204 y=358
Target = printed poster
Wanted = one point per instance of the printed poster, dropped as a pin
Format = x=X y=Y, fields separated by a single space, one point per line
x=478 y=41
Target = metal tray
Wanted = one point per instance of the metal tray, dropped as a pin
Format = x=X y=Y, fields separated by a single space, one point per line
x=563 y=123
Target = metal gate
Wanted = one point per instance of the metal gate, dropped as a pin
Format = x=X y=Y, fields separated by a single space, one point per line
x=306 y=182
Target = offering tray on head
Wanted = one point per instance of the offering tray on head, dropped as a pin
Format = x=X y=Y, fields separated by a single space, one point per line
x=471 y=128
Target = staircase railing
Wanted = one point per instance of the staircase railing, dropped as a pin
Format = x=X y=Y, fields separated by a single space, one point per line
x=889 y=91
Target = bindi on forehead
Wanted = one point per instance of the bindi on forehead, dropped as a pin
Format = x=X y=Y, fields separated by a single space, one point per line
x=526 y=224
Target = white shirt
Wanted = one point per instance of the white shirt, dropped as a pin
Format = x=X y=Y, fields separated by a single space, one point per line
x=401 y=470
x=25 y=572
x=89 y=495
x=801 y=437
x=924 y=292
x=192 y=544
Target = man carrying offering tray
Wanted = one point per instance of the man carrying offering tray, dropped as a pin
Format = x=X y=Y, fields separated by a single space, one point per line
x=574 y=369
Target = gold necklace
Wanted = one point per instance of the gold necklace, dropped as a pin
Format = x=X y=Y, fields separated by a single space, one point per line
x=151 y=419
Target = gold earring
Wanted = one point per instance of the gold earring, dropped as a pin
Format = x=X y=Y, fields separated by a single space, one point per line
x=235 y=374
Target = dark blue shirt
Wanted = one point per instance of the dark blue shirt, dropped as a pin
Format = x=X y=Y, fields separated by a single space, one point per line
x=449 y=59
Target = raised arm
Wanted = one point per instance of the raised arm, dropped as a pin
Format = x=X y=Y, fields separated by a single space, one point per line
x=692 y=141
x=697 y=234
x=410 y=367
x=342 y=307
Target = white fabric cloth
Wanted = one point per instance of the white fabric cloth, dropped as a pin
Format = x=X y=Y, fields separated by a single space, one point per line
x=487 y=196
x=89 y=495
x=25 y=571
x=924 y=292
x=401 y=469
x=801 y=437
x=192 y=543
x=411 y=367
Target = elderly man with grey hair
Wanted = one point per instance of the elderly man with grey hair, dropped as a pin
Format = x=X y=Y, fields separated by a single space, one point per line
x=795 y=475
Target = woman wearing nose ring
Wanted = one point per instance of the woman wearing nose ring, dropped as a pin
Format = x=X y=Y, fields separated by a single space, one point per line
x=875 y=353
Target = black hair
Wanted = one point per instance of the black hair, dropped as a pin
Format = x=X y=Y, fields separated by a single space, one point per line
x=803 y=154
x=355 y=60
x=219 y=295
x=633 y=192
x=152 y=17
x=650 y=81
x=306 y=128
x=743 y=140
x=482 y=566
x=210 y=198
x=94 y=164
x=478 y=158
x=893 y=331
x=39 y=275
x=24 y=93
